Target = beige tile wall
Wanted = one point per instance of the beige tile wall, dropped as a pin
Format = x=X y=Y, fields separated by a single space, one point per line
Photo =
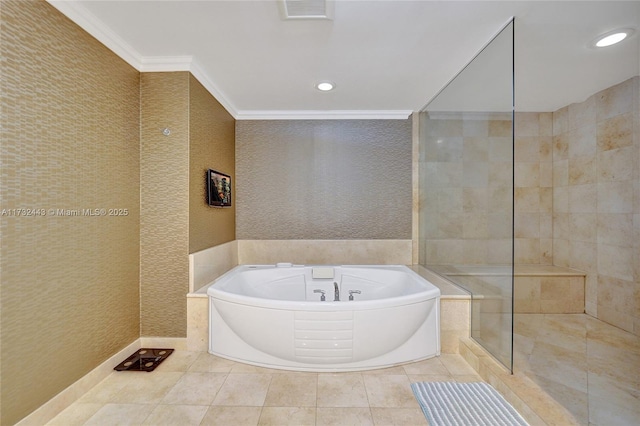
x=70 y=140
x=465 y=189
x=577 y=196
x=533 y=215
x=596 y=200
x=314 y=252
x=467 y=180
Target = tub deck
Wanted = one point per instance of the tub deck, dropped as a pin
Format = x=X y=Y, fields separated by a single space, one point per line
x=538 y=289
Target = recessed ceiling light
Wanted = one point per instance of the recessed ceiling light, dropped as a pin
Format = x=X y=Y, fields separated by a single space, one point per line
x=325 y=86
x=612 y=37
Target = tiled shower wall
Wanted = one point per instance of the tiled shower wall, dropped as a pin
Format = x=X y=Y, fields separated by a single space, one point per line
x=596 y=201
x=466 y=183
x=577 y=195
x=465 y=189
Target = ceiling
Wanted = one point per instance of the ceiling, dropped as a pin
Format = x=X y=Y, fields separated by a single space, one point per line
x=386 y=57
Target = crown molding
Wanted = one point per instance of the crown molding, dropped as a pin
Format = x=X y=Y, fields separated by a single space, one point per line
x=88 y=22
x=73 y=10
x=165 y=63
x=204 y=79
x=470 y=115
x=325 y=115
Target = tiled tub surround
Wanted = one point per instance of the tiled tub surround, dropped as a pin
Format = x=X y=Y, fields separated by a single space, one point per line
x=454 y=314
x=272 y=316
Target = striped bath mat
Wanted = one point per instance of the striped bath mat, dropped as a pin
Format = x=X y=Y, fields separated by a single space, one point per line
x=464 y=404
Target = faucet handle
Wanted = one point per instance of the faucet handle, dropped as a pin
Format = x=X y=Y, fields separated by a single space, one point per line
x=322 y=297
x=351 y=293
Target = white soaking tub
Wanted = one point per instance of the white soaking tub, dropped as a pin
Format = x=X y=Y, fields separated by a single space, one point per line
x=275 y=316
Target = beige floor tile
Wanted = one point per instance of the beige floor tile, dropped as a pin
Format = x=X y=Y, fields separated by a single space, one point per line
x=584 y=364
x=344 y=416
x=129 y=387
x=172 y=415
x=398 y=416
x=564 y=337
x=398 y=369
x=574 y=400
x=243 y=389
x=472 y=378
x=292 y=390
x=76 y=414
x=178 y=361
x=598 y=331
x=606 y=413
x=121 y=414
x=528 y=325
x=456 y=365
x=428 y=366
x=195 y=389
x=559 y=365
x=236 y=416
x=415 y=378
x=341 y=390
x=605 y=389
x=207 y=363
x=239 y=367
x=389 y=391
x=294 y=416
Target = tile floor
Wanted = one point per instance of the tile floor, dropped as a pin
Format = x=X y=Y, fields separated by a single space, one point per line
x=588 y=366
x=196 y=388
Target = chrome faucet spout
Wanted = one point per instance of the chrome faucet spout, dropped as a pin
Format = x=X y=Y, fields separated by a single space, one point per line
x=336 y=292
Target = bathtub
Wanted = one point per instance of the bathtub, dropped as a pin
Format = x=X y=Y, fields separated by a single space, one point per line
x=287 y=317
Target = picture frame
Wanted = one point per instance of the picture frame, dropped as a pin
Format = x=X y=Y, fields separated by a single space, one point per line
x=218 y=189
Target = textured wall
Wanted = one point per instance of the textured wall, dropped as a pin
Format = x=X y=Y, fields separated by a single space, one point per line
x=326 y=179
x=164 y=204
x=70 y=140
x=596 y=200
x=211 y=145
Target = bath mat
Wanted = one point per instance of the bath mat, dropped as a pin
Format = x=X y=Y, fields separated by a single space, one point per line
x=464 y=404
x=144 y=359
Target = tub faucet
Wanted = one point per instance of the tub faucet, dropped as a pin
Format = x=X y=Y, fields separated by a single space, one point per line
x=336 y=292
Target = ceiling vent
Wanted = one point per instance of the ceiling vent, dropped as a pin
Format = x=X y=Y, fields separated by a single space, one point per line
x=306 y=9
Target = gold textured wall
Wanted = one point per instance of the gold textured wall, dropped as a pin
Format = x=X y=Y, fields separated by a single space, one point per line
x=164 y=204
x=211 y=145
x=70 y=141
x=323 y=179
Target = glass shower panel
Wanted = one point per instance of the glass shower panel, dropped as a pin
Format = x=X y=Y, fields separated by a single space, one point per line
x=466 y=190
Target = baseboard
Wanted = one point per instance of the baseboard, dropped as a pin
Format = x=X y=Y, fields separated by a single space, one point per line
x=179 y=343
x=71 y=394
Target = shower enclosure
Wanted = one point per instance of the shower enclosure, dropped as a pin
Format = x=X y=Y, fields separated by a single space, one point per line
x=466 y=190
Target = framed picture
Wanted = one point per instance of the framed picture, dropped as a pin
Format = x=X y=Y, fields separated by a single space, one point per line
x=218 y=189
